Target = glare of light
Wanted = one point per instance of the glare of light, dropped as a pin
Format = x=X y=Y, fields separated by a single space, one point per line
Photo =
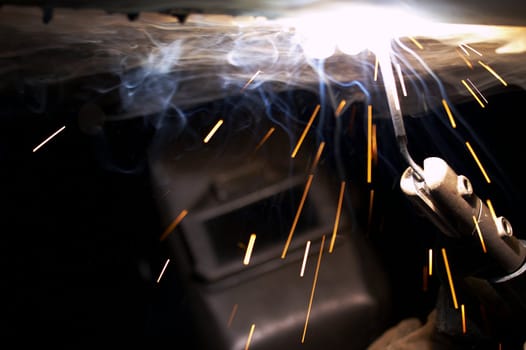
x=351 y=28
x=515 y=40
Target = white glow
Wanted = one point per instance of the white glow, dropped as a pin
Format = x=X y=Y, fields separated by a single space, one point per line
x=351 y=28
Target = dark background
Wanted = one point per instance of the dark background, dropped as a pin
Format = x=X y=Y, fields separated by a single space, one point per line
x=81 y=248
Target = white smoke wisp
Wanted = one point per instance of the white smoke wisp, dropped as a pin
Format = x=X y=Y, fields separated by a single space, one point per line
x=156 y=62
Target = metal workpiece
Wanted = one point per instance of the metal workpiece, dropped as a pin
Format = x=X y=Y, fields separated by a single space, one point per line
x=449 y=201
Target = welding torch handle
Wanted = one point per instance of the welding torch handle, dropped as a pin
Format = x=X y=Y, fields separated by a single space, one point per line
x=472 y=217
x=449 y=201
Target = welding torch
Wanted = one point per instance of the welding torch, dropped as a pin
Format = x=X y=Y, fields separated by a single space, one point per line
x=447 y=198
x=449 y=202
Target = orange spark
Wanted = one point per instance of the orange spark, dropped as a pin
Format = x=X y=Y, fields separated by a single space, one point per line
x=305 y=131
x=492 y=211
x=478 y=162
x=472 y=93
x=49 y=138
x=317 y=158
x=249 y=339
x=489 y=69
x=313 y=288
x=265 y=138
x=250 y=80
x=250 y=247
x=416 y=43
x=174 y=223
x=338 y=214
x=374 y=146
x=463 y=312
x=468 y=63
x=296 y=218
x=475 y=221
x=305 y=256
x=232 y=315
x=162 y=271
x=449 y=114
x=450 y=279
x=369 y=142
x=213 y=131
x=340 y=108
